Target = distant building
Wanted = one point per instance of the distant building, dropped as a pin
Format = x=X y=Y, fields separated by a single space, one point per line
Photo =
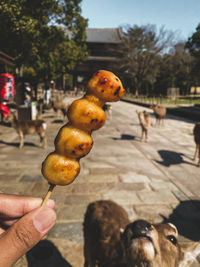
x=103 y=46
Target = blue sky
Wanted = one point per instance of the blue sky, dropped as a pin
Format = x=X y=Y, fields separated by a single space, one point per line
x=181 y=16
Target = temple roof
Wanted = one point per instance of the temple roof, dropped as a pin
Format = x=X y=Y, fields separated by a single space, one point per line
x=100 y=35
x=104 y=35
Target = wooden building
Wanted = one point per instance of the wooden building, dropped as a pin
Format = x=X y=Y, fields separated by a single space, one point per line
x=103 y=46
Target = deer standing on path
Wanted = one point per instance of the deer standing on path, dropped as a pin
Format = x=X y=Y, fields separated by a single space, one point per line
x=110 y=240
x=30 y=127
x=60 y=106
x=196 y=132
x=145 y=123
x=160 y=114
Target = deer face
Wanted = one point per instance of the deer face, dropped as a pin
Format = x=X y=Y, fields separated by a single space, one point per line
x=148 y=245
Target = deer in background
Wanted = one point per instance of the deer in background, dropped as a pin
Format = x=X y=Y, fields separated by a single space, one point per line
x=60 y=106
x=196 y=132
x=108 y=108
x=29 y=127
x=145 y=123
x=160 y=114
x=110 y=240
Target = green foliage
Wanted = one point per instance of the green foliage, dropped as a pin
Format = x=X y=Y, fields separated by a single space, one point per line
x=193 y=44
x=141 y=49
x=30 y=33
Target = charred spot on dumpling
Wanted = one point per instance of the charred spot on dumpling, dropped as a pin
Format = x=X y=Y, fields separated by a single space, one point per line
x=102 y=90
x=73 y=152
x=96 y=120
x=103 y=80
x=116 y=79
x=92 y=120
x=117 y=91
x=81 y=147
x=96 y=73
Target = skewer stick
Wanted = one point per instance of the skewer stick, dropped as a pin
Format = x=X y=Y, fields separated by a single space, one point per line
x=51 y=187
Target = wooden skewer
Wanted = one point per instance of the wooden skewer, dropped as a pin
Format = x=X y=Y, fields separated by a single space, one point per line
x=51 y=187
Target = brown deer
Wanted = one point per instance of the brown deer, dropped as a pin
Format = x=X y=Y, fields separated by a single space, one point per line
x=145 y=123
x=160 y=114
x=141 y=244
x=196 y=132
x=60 y=106
x=29 y=127
x=108 y=108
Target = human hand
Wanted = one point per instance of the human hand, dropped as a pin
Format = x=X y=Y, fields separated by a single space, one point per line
x=24 y=222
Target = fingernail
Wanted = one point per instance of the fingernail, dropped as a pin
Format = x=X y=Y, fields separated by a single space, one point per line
x=50 y=203
x=44 y=219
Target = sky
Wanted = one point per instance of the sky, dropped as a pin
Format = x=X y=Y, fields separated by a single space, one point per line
x=179 y=16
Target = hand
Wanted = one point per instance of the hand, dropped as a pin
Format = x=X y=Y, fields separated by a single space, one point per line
x=23 y=224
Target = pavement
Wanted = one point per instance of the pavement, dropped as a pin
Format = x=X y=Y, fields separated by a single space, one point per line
x=157 y=181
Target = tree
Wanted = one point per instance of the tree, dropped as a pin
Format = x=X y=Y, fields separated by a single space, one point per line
x=174 y=70
x=32 y=32
x=140 y=50
x=193 y=44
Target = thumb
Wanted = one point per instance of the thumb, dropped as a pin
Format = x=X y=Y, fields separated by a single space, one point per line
x=24 y=234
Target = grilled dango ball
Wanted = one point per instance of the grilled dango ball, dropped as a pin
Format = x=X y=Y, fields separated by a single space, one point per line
x=73 y=142
x=85 y=115
x=106 y=86
x=60 y=170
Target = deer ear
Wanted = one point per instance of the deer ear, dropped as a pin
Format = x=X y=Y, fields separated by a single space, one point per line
x=191 y=253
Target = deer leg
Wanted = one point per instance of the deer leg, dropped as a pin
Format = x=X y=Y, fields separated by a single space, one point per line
x=142 y=135
x=146 y=135
x=196 y=152
x=21 y=136
x=43 y=140
x=199 y=155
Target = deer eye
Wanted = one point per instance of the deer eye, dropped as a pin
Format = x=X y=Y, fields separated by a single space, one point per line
x=172 y=239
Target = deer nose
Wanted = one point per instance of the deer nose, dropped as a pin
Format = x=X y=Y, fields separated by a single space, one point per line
x=140 y=227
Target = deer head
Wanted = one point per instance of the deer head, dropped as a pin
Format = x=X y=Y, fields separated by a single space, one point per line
x=156 y=245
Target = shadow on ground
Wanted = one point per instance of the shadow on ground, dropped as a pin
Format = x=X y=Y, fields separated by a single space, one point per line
x=16 y=144
x=171 y=158
x=58 y=121
x=124 y=137
x=46 y=254
x=186 y=217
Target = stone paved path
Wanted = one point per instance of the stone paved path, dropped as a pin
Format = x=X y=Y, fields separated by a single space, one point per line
x=156 y=181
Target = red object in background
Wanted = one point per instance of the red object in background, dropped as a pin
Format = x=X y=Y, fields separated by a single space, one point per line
x=4 y=109
x=7 y=87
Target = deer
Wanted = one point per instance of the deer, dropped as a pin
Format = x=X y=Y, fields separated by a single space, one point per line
x=111 y=240
x=196 y=133
x=160 y=114
x=145 y=123
x=108 y=108
x=60 y=106
x=29 y=127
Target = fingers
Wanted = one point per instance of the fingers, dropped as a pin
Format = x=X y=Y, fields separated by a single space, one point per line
x=13 y=206
x=24 y=234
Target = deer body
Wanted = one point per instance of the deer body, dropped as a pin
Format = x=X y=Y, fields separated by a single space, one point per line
x=110 y=240
x=160 y=114
x=145 y=123
x=196 y=132
x=30 y=127
x=60 y=106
